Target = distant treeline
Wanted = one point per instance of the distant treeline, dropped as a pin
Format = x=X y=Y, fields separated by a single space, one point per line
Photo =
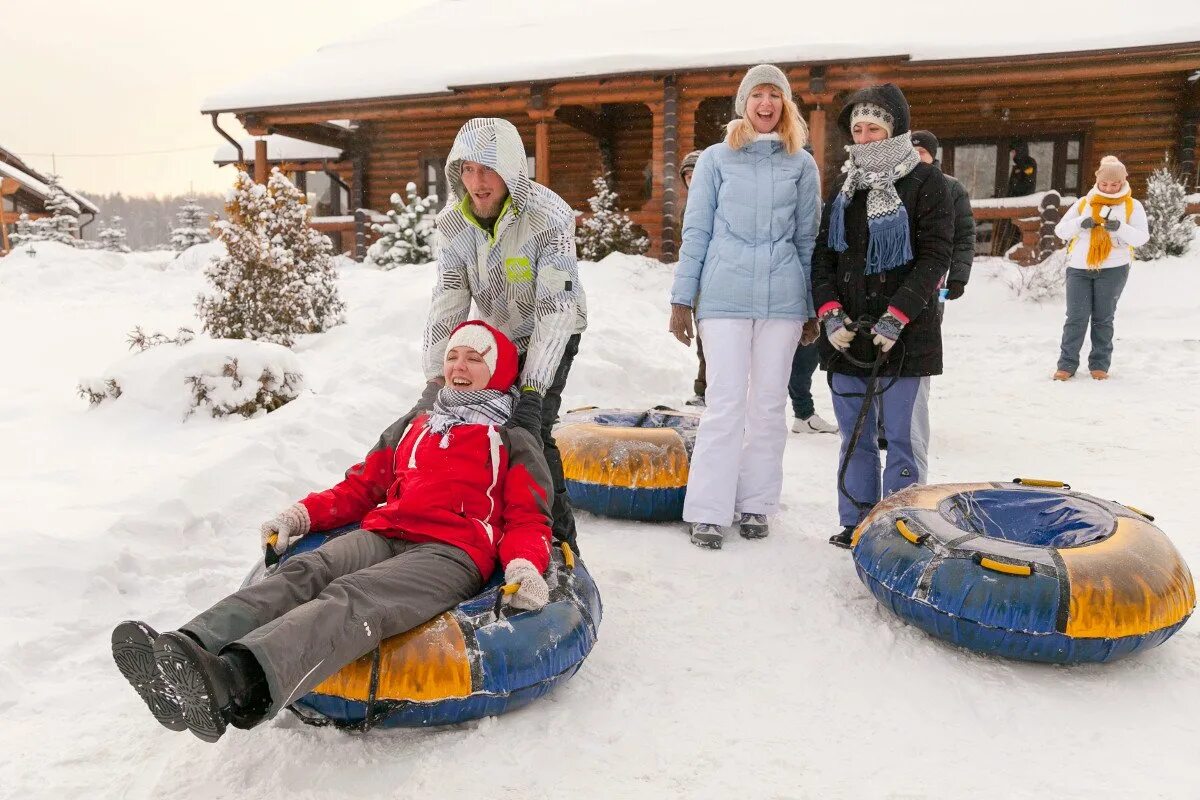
x=148 y=221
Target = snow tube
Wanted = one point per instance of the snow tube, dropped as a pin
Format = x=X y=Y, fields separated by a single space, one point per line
x=1028 y=570
x=476 y=660
x=627 y=464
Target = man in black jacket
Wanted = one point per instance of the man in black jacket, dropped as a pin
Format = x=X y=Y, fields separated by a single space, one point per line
x=926 y=145
x=885 y=242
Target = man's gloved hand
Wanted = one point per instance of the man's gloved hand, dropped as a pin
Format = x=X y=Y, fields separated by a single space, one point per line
x=955 y=289
x=810 y=332
x=681 y=325
x=838 y=328
x=1087 y=223
x=534 y=593
x=887 y=331
x=283 y=529
x=1112 y=225
x=527 y=412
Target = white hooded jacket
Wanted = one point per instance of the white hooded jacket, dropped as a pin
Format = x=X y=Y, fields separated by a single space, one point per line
x=524 y=280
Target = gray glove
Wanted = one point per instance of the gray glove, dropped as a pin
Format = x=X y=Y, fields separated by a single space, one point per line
x=837 y=329
x=533 y=592
x=280 y=532
x=1112 y=225
x=1087 y=223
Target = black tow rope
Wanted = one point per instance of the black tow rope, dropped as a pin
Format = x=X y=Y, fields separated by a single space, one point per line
x=869 y=395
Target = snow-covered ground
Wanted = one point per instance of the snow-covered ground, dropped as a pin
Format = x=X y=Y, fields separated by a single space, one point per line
x=764 y=670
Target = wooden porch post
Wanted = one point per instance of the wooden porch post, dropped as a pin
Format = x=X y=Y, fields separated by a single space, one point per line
x=541 y=152
x=670 y=162
x=260 y=161
x=655 y=203
x=1189 y=144
x=816 y=137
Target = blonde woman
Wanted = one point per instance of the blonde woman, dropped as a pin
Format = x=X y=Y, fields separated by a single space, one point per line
x=748 y=236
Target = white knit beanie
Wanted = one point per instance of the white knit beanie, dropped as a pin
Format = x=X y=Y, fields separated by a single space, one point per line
x=757 y=76
x=869 y=112
x=479 y=339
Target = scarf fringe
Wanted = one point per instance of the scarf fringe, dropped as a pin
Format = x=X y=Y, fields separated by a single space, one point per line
x=837 y=224
x=889 y=245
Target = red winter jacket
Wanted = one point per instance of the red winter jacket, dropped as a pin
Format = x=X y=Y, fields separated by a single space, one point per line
x=487 y=492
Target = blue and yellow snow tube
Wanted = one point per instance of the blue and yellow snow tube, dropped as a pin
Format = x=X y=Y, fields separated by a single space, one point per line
x=627 y=464
x=476 y=660
x=1028 y=570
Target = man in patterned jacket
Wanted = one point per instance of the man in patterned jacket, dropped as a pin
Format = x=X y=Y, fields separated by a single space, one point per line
x=508 y=244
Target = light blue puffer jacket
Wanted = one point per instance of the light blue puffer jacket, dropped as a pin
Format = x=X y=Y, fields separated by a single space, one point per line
x=749 y=233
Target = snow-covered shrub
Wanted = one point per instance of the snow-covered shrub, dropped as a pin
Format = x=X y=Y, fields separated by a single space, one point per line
x=229 y=393
x=1171 y=229
x=97 y=391
x=1040 y=283
x=608 y=229
x=192 y=228
x=407 y=236
x=218 y=377
x=61 y=226
x=139 y=340
x=112 y=237
x=277 y=279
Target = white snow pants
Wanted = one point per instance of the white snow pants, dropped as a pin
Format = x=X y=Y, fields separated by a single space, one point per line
x=737 y=463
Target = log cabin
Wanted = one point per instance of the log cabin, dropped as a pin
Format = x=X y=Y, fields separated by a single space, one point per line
x=628 y=88
x=24 y=190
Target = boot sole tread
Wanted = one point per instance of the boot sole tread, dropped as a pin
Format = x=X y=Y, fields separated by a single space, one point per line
x=133 y=653
x=200 y=712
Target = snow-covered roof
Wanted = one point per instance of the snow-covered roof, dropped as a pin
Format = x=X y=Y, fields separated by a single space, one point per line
x=279 y=148
x=454 y=43
x=37 y=185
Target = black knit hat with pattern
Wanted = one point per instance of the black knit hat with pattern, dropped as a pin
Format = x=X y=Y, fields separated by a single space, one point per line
x=887 y=96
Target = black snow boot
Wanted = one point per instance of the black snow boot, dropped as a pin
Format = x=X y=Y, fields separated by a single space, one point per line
x=210 y=688
x=133 y=652
x=843 y=538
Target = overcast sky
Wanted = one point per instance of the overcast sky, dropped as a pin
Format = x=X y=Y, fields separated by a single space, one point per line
x=128 y=76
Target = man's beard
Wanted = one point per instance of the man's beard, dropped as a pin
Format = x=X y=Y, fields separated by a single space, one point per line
x=492 y=211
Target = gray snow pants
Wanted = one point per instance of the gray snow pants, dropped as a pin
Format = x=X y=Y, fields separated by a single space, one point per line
x=323 y=609
x=1092 y=296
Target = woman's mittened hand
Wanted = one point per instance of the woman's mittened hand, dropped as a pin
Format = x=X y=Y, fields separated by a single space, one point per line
x=837 y=329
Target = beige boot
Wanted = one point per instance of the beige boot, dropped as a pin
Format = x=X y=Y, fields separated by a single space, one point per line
x=1062 y=375
x=1099 y=375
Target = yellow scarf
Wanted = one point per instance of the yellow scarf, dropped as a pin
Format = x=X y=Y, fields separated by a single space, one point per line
x=1100 y=244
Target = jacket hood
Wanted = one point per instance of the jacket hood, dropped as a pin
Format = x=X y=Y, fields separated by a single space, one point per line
x=888 y=97
x=495 y=143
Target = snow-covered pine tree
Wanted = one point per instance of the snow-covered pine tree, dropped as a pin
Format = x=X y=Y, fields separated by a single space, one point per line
x=1171 y=230
x=407 y=236
x=112 y=237
x=608 y=229
x=61 y=226
x=192 y=228
x=277 y=280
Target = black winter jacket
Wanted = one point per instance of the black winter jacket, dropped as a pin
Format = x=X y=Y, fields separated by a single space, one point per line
x=911 y=288
x=964 y=232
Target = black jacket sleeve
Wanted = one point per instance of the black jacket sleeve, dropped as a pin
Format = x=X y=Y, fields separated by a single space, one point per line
x=964 y=233
x=932 y=246
x=824 y=260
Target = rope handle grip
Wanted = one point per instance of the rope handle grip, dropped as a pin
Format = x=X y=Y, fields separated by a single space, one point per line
x=1004 y=566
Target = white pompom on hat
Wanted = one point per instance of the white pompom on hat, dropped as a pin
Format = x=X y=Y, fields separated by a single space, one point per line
x=1111 y=169
x=757 y=76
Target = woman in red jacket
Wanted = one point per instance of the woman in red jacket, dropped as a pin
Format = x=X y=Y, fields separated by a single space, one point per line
x=439 y=499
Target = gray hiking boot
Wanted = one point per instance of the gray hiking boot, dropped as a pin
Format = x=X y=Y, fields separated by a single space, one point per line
x=753 y=526
x=707 y=535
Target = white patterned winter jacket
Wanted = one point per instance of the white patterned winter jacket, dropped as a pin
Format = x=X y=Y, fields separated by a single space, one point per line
x=524 y=280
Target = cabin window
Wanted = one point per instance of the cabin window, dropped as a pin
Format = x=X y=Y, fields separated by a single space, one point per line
x=433 y=178
x=326 y=197
x=983 y=165
x=9 y=204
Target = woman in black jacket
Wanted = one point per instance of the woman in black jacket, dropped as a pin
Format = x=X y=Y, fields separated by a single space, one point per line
x=885 y=242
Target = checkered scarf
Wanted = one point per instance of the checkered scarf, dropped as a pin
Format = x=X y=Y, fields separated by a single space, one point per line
x=876 y=167
x=473 y=407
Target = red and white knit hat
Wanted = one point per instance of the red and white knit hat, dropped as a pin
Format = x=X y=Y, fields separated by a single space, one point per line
x=498 y=351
